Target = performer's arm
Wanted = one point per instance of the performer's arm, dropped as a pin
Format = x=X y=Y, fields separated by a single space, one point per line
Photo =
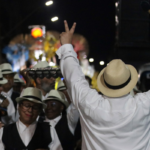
x=78 y=87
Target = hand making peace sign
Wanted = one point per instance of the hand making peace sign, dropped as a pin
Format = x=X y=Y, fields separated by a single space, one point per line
x=66 y=37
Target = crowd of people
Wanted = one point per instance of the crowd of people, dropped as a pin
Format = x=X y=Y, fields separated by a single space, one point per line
x=74 y=116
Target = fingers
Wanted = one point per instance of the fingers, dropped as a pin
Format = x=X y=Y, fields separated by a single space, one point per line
x=73 y=28
x=66 y=26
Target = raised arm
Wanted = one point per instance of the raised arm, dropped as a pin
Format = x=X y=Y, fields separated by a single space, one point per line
x=78 y=87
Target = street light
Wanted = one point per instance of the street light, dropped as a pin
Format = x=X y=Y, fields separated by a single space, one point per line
x=54 y=19
x=48 y=3
x=101 y=63
x=91 y=60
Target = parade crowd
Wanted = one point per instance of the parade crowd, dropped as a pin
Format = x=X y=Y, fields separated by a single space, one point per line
x=74 y=116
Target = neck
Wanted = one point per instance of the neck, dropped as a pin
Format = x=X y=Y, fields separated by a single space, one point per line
x=6 y=90
x=43 y=92
x=25 y=123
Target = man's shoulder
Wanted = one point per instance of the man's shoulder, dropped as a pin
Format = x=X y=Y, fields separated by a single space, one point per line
x=9 y=126
x=15 y=94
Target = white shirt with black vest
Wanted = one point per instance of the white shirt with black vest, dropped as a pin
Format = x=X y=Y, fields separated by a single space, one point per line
x=26 y=133
x=72 y=118
x=107 y=123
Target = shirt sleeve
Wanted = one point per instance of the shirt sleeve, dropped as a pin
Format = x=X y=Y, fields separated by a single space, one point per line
x=1 y=143
x=11 y=114
x=73 y=117
x=78 y=88
x=143 y=99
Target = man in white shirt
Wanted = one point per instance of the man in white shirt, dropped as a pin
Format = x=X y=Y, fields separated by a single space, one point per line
x=62 y=122
x=115 y=121
x=9 y=93
x=26 y=133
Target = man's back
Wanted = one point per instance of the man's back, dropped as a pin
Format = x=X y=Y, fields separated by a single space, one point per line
x=116 y=123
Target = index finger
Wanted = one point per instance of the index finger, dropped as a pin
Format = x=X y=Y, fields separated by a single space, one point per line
x=73 y=28
x=66 y=26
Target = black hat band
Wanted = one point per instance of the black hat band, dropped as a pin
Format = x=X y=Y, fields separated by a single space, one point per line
x=118 y=86
x=6 y=70
x=33 y=97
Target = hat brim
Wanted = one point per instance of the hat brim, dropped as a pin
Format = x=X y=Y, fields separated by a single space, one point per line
x=119 y=92
x=19 y=99
x=61 y=101
x=62 y=88
x=4 y=81
x=20 y=82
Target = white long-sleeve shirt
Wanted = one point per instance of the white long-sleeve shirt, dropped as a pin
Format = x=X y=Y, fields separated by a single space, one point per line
x=107 y=123
x=72 y=117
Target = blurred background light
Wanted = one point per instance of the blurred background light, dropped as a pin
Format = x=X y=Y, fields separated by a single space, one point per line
x=48 y=3
x=91 y=60
x=54 y=19
x=101 y=63
x=52 y=64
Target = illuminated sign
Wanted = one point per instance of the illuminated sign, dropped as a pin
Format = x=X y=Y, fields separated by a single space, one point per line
x=36 y=32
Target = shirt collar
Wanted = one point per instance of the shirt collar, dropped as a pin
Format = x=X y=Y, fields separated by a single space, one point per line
x=53 y=122
x=120 y=103
x=22 y=127
x=9 y=93
x=44 y=97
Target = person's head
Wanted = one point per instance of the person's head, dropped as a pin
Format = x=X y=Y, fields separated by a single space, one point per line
x=8 y=74
x=2 y=81
x=62 y=88
x=44 y=83
x=18 y=84
x=30 y=105
x=56 y=104
x=117 y=79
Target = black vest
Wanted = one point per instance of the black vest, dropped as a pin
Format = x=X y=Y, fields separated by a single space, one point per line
x=65 y=136
x=12 y=141
x=13 y=97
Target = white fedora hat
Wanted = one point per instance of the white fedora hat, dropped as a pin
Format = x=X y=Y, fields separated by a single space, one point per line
x=41 y=64
x=61 y=86
x=117 y=79
x=58 y=96
x=17 y=79
x=31 y=94
x=6 y=68
x=2 y=79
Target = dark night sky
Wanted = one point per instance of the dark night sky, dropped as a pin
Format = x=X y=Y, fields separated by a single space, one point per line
x=95 y=20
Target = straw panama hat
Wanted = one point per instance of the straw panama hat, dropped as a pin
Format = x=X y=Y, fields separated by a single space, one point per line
x=17 y=79
x=6 y=68
x=58 y=96
x=61 y=86
x=31 y=94
x=2 y=79
x=117 y=79
x=41 y=64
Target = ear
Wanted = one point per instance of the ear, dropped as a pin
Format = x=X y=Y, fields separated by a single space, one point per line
x=38 y=81
x=62 y=107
